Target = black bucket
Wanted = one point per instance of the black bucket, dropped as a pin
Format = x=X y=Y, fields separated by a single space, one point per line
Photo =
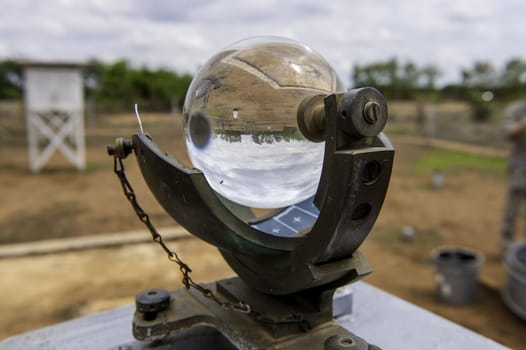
x=514 y=295
x=457 y=272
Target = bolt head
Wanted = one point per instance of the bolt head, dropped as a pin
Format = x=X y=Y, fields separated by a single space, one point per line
x=371 y=112
x=152 y=300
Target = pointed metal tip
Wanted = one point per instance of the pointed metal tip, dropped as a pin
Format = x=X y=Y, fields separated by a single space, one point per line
x=138 y=118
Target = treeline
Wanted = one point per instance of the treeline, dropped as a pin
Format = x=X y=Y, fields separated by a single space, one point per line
x=406 y=80
x=114 y=86
x=10 y=80
x=117 y=86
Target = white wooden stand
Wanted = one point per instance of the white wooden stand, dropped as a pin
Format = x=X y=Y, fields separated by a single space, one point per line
x=54 y=105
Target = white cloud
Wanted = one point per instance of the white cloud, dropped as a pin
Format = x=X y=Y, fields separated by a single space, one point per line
x=3 y=49
x=182 y=34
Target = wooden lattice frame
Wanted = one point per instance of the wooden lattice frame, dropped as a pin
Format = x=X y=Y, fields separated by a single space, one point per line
x=54 y=105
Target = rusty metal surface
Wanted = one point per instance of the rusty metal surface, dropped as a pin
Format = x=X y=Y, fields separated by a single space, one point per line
x=279 y=327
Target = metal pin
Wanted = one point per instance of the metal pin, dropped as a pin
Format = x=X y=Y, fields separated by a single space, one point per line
x=138 y=118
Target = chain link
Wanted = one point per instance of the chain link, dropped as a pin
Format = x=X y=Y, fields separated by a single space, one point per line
x=188 y=282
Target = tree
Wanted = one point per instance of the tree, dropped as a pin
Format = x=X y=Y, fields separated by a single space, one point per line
x=513 y=79
x=10 y=80
x=117 y=86
x=482 y=76
x=514 y=73
x=429 y=75
x=396 y=80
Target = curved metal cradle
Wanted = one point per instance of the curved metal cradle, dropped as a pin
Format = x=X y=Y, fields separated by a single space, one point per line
x=354 y=181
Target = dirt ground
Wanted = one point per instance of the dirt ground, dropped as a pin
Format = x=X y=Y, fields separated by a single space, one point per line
x=61 y=202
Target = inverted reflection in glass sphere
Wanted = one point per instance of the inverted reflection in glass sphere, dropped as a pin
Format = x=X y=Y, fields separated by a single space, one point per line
x=240 y=121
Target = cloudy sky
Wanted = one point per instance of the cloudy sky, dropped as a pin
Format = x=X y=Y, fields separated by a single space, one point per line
x=183 y=34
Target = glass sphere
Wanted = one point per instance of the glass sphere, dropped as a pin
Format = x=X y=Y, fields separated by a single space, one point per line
x=240 y=121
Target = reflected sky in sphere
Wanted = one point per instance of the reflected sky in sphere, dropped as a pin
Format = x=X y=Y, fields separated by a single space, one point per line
x=260 y=175
x=240 y=121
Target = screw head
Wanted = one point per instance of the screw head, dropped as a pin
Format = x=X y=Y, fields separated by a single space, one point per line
x=371 y=112
x=338 y=342
x=111 y=150
x=121 y=149
x=371 y=171
x=152 y=301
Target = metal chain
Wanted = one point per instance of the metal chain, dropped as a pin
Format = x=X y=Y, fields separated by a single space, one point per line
x=188 y=282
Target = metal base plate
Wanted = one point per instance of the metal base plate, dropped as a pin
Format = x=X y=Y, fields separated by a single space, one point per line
x=190 y=310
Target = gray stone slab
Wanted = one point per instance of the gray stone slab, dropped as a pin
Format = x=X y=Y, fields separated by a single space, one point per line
x=392 y=323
